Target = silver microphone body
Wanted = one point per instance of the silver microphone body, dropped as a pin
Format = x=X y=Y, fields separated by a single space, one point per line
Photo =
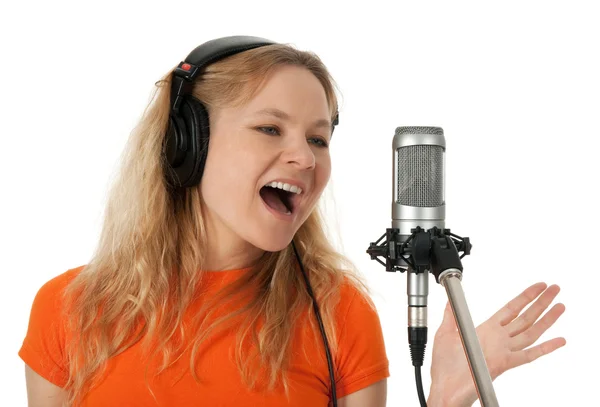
x=418 y=200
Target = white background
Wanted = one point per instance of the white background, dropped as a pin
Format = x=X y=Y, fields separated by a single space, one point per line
x=515 y=86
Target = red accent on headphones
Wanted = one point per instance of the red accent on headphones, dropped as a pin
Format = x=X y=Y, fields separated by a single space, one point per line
x=186 y=67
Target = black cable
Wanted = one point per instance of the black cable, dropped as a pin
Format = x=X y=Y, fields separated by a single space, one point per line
x=417 y=339
x=420 y=386
x=318 y=314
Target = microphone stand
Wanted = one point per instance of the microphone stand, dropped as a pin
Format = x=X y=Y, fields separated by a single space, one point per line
x=436 y=250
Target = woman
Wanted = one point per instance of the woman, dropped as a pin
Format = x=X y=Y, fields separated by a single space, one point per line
x=197 y=295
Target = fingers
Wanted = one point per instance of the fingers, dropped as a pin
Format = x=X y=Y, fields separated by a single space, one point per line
x=531 y=354
x=532 y=313
x=512 y=310
x=532 y=334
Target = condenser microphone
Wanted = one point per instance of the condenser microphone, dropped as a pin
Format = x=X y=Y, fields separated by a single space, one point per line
x=419 y=244
x=418 y=201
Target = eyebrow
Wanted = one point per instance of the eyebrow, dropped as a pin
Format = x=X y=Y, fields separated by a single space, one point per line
x=270 y=111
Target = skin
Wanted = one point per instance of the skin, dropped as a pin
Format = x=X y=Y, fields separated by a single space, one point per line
x=246 y=151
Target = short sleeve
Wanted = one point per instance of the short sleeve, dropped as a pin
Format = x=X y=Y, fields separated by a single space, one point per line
x=43 y=347
x=362 y=358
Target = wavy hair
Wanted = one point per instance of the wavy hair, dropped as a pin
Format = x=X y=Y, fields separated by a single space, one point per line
x=149 y=258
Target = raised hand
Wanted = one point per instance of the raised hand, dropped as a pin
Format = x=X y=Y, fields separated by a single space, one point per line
x=505 y=340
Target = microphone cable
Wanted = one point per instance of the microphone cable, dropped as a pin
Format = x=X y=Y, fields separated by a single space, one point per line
x=318 y=314
x=420 y=386
x=417 y=338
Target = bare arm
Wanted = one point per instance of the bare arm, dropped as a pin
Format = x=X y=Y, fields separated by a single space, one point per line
x=373 y=396
x=42 y=393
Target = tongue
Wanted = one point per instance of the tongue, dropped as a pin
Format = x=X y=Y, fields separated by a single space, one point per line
x=271 y=197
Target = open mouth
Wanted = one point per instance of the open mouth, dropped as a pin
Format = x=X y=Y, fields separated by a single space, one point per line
x=278 y=199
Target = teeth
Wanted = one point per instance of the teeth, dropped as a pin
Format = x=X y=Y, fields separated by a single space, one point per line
x=285 y=187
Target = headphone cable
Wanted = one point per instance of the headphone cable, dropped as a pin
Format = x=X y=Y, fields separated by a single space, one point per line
x=318 y=314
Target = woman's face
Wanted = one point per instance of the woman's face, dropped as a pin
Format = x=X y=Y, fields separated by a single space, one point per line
x=281 y=135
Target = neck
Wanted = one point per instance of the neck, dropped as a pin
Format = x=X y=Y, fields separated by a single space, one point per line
x=227 y=251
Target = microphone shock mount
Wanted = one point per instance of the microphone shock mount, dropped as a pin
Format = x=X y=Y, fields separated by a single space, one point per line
x=440 y=252
x=435 y=249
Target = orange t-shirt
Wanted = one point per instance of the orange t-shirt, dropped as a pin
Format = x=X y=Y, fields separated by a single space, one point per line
x=360 y=362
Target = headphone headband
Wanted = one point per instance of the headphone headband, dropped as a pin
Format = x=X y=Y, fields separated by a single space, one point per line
x=204 y=55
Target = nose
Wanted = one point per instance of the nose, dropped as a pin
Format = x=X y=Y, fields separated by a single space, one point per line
x=299 y=152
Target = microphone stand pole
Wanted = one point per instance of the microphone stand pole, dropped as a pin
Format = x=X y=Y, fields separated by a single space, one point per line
x=451 y=281
x=436 y=250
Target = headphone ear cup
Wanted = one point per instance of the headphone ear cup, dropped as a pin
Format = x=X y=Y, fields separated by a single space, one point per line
x=174 y=144
x=186 y=143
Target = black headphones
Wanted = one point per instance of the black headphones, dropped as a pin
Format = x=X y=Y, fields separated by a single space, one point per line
x=186 y=140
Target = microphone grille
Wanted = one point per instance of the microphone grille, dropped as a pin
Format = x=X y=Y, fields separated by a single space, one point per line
x=420 y=174
x=419 y=130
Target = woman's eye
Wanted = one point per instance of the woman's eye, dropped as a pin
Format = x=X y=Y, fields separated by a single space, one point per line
x=265 y=129
x=319 y=141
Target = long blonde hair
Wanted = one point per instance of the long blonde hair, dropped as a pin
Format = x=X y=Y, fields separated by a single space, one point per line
x=150 y=255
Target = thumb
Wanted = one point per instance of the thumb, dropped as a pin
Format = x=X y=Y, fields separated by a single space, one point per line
x=448 y=322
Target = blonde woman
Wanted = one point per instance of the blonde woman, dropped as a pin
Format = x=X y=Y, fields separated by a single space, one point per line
x=213 y=282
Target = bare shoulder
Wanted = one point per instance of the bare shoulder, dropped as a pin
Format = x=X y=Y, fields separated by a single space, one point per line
x=373 y=396
x=41 y=392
